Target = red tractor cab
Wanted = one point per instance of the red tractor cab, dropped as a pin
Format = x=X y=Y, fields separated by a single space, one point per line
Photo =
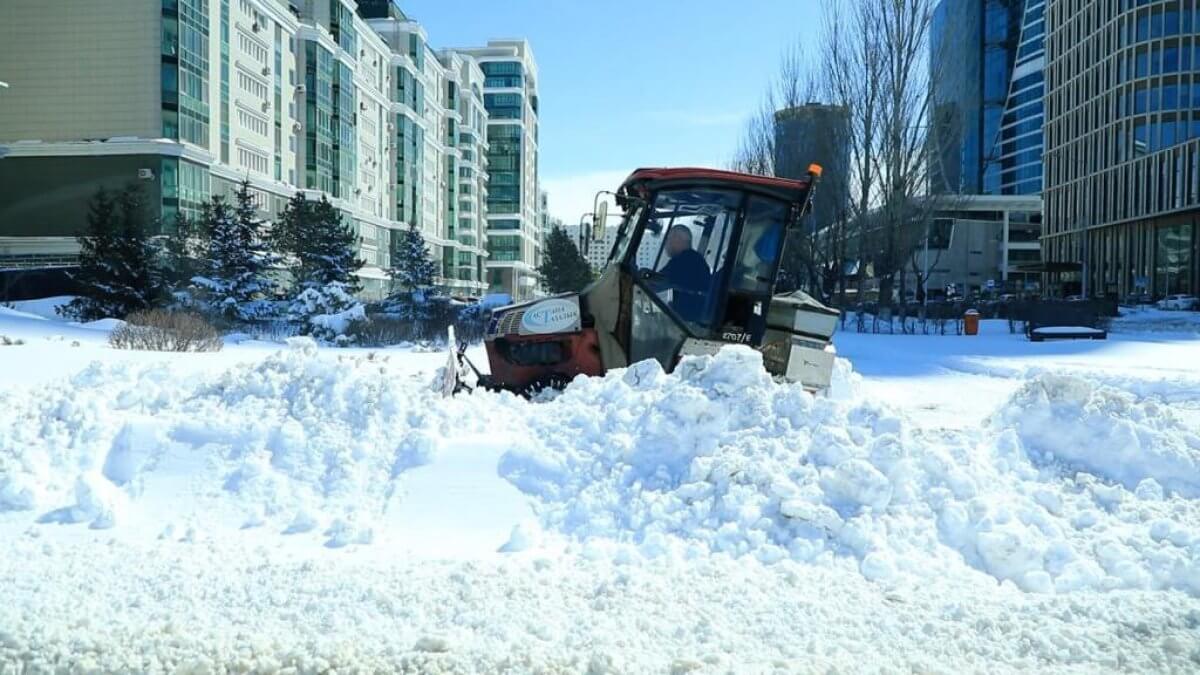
x=693 y=268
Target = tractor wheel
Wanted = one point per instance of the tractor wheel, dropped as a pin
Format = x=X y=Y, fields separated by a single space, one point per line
x=554 y=381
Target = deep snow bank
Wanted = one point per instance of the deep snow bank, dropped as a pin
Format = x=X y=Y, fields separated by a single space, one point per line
x=719 y=458
x=1105 y=431
x=714 y=458
x=296 y=442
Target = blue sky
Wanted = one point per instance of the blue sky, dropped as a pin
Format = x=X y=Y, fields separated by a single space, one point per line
x=629 y=83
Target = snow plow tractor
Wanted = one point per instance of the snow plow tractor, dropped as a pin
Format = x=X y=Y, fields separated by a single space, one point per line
x=693 y=268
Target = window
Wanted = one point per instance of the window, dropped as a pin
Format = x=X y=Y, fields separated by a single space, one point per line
x=683 y=246
x=252 y=85
x=252 y=160
x=760 y=245
x=252 y=122
x=252 y=47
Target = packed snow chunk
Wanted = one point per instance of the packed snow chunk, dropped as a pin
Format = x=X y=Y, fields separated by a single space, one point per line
x=878 y=567
x=19 y=491
x=525 y=536
x=133 y=448
x=856 y=482
x=1012 y=552
x=1075 y=422
x=97 y=501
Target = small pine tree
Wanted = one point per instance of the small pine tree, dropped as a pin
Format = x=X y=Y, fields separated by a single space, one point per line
x=238 y=262
x=338 y=252
x=413 y=269
x=327 y=312
x=117 y=261
x=563 y=268
x=292 y=237
x=318 y=245
x=182 y=253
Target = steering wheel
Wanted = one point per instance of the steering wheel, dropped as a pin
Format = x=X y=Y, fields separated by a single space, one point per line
x=650 y=274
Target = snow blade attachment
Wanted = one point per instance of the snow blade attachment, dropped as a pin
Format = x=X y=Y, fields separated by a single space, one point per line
x=451 y=382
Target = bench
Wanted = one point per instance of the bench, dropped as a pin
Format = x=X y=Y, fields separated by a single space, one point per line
x=1067 y=333
x=1062 y=320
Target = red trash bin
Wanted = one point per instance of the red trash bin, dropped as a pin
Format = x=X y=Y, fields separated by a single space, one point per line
x=971 y=322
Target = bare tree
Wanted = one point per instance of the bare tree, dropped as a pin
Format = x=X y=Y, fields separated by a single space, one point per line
x=769 y=147
x=873 y=61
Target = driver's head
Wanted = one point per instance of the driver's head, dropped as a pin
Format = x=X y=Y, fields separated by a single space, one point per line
x=679 y=239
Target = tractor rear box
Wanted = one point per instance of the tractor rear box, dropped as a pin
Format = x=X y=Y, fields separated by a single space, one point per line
x=798 y=359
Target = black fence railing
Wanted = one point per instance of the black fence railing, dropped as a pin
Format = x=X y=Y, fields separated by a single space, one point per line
x=946 y=318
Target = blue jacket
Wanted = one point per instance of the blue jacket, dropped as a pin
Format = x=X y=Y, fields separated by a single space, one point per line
x=688 y=272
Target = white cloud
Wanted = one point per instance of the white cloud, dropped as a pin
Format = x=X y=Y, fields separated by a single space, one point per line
x=573 y=196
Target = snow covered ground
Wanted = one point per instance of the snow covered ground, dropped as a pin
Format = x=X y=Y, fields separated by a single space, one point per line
x=956 y=503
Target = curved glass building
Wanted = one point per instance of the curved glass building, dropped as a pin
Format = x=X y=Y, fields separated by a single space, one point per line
x=988 y=58
x=1123 y=145
x=1014 y=164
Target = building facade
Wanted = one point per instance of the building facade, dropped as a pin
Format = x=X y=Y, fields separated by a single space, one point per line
x=1013 y=165
x=816 y=133
x=980 y=244
x=186 y=98
x=1123 y=145
x=987 y=61
x=514 y=227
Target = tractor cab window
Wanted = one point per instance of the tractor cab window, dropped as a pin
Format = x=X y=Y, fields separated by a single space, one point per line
x=753 y=274
x=683 y=248
x=760 y=246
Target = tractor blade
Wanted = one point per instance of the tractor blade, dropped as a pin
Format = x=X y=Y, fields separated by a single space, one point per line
x=450 y=375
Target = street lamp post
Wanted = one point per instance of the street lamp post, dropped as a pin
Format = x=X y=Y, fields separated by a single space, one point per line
x=584 y=237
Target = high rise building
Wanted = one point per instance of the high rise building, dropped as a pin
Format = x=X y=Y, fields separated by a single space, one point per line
x=820 y=134
x=987 y=72
x=987 y=62
x=1123 y=146
x=186 y=98
x=1013 y=165
x=514 y=229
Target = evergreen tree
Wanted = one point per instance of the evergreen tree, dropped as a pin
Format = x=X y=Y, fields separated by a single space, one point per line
x=563 y=268
x=338 y=252
x=326 y=312
x=413 y=269
x=238 y=261
x=182 y=253
x=117 y=261
x=319 y=246
x=292 y=237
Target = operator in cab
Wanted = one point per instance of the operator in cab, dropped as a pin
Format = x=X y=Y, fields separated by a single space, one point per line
x=687 y=273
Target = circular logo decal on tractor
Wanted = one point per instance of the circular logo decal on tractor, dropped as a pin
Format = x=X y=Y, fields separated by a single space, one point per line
x=551 y=316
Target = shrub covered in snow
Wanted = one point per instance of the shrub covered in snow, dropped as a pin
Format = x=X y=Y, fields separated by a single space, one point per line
x=419 y=317
x=163 y=331
x=327 y=313
x=6 y=341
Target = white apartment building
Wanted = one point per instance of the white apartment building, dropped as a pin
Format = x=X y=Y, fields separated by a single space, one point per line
x=514 y=225
x=188 y=97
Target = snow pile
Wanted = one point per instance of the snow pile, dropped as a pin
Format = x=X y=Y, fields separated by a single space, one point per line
x=296 y=442
x=47 y=308
x=1104 y=431
x=1154 y=320
x=718 y=458
x=1071 y=486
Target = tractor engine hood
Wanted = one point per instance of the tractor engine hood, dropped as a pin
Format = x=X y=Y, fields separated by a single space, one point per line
x=547 y=316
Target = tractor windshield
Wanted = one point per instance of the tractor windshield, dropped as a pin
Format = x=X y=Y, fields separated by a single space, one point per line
x=683 y=246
